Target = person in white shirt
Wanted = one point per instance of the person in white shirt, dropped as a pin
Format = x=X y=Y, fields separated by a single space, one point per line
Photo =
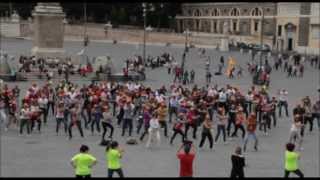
x=43 y=105
x=25 y=119
x=283 y=101
x=154 y=130
x=295 y=132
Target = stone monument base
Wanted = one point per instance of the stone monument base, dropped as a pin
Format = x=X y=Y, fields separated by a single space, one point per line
x=48 y=52
x=224 y=44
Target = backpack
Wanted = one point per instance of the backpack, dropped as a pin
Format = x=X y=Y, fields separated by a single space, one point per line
x=105 y=142
x=132 y=141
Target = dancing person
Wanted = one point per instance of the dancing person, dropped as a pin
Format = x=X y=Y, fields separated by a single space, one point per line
x=206 y=132
x=221 y=125
x=251 y=129
x=75 y=120
x=114 y=154
x=60 y=118
x=154 y=130
x=186 y=154
x=107 y=122
x=238 y=164
x=291 y=161
x=25 y=119
x=177 y=128
x=83 y=162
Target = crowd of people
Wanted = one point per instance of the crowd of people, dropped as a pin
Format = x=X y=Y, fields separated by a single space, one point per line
x=177 y=109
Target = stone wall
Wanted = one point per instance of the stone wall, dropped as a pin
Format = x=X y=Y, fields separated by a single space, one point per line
x=9 y=29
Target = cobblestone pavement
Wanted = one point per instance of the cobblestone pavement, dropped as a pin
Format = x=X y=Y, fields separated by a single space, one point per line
x=48 y=155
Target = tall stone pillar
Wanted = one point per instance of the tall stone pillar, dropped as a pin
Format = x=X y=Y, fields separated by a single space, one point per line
x=48 y=30
x=224 y=43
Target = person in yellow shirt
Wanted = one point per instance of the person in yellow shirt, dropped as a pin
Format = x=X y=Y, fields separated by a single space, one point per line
x=113 y=156
x=291 y=161
x=83 y=162
x=162 y=113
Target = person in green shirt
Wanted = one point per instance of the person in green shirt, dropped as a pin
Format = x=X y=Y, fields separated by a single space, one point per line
x=83 y=162
x=291 y=161
x=113 y=156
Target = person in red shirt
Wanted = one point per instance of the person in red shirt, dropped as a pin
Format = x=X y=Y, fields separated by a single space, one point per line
x=186 y=155
x=191 y=122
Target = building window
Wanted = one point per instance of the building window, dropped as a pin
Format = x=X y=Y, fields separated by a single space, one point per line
x=235 y=12
x=316 y=32
x=215 y=12
x=207 y=12
x=256 y=26
x=256 y=12
x=279 y=30
x=215 y=26
x=234 y=26
x=197 y=13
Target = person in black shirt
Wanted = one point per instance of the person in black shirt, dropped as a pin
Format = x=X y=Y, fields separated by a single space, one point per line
x=238 y=162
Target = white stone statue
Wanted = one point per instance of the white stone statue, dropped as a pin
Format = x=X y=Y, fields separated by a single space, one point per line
x=226 y=28
x=15 y=17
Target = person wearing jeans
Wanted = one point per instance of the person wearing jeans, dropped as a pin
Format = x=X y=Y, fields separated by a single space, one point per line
x=75 y=111
x=177 y=128
x=25 y=119
x=60 y=118
x=206 y=132
x=283 y=102
x=251 y=129
x=173 y=107
x=162 y=113
x=222 y=118
x=96 y=113
x=106 y=122
x=240 y=118
x=127 y=118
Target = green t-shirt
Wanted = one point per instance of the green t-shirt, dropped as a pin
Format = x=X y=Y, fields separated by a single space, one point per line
x=83 y=163
x=291 y=161
x=113 y=159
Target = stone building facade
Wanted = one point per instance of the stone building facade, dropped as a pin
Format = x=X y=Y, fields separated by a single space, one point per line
x=291 y=26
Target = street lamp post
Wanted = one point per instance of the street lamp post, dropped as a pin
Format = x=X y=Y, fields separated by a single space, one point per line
x=144 y=31
x=144 y=6
x=261 y=37
x=186 y=32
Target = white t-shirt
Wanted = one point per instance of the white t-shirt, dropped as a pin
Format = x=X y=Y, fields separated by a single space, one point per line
x=43 y=102
x=154 y=123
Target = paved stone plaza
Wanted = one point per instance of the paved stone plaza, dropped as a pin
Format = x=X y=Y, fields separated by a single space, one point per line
x=49 y=155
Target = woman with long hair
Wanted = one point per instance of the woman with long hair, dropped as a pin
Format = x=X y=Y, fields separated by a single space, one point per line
x=206 y=131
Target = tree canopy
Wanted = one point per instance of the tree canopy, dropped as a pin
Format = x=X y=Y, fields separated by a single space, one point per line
x=162 y=15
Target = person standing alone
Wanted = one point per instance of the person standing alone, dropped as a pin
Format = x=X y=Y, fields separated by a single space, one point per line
x=83 y=162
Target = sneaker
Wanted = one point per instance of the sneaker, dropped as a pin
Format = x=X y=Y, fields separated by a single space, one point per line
x=256 y=148
x=225 y=143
